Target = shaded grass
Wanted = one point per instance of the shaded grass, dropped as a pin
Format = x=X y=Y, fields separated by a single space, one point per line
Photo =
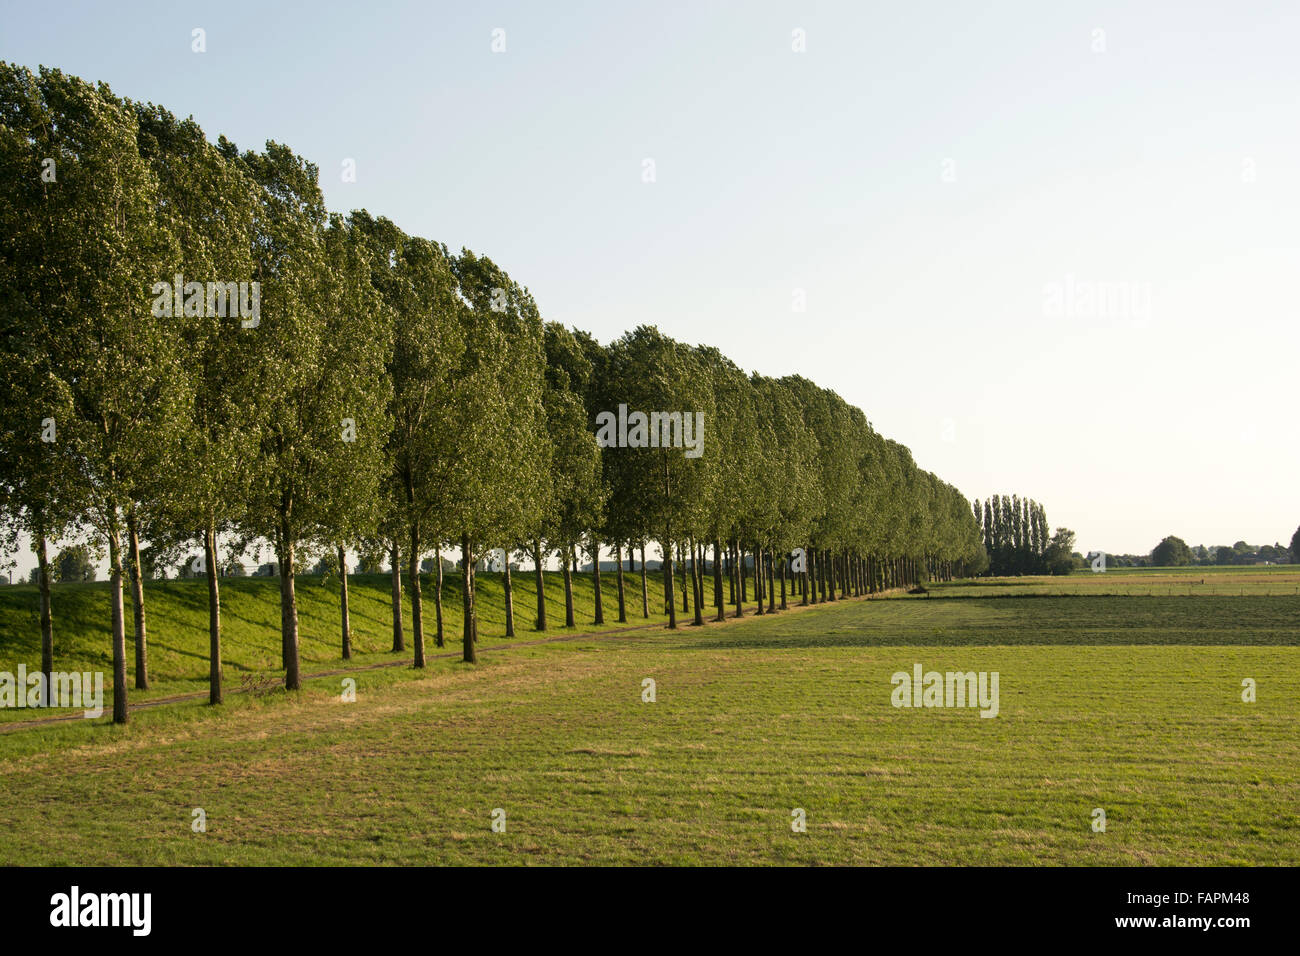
x=176 y=615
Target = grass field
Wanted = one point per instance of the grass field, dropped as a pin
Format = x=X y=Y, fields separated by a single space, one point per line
x=176 y=615
x=1126 y=702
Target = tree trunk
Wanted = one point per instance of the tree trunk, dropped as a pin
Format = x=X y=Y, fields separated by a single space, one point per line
x=417 y=610
x=289 y=609
x=758 y=579
x=119 y=625
x=568 y=586
x=670 y=596
x=473 y=600
x=731 y=575
x=47 y=617
x=784 y=606
x=595 y=570
x=804 y=589
x=214 y=613
x=737 y=562
x=467 y=599
x=510 y=598
x=137 y=602
x=437 y=598
x=345 y=623
x=399 y=643
x=771 y=582
x=697 y=585
x=645 y=588
x=540 y=584
x=717 y=580
x=685 y=576
x=622 y=606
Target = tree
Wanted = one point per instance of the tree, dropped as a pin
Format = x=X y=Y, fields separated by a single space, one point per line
x=791 y=453
x=732 y=465
x=1060 y=552
x=651 y=373
x=413 y=277
x=41 y=489
x=1295 y=546
x=109 y=362
x=1171 y=552
x=576 y=494
x=209 y=202
x=74 y=564
x=497 y=481
x=322 y=341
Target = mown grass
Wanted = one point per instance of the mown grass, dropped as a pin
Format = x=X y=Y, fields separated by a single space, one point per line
x=1225 y=581
x=1117 y=703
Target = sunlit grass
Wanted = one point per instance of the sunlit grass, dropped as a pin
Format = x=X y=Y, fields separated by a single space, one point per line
x=1129 y=704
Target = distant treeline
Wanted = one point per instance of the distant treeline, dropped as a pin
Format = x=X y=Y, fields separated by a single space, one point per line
x=1175 y=552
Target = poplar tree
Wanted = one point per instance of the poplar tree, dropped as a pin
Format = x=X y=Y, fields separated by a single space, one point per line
x=209 y=203
x=40 y=485
x=322 y=343
x=577 y=492
x=498 y=479
x=414 y=279
x=651 y=372
x=113 y=363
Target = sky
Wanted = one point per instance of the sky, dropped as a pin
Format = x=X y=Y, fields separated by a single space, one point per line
x=1052 y=248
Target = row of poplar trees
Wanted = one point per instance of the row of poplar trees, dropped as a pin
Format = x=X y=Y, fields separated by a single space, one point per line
x=1015 y=534
x=390 y=394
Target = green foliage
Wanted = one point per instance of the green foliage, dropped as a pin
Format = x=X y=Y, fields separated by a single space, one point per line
x=1059 y=556
x=74 y=563
x=575 y=497
x=1171 y=552
x=1014 y=535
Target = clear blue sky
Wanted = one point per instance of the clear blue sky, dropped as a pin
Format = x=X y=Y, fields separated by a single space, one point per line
x=1166 y=166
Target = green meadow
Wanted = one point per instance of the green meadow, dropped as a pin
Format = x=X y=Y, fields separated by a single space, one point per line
x=1112 y=697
